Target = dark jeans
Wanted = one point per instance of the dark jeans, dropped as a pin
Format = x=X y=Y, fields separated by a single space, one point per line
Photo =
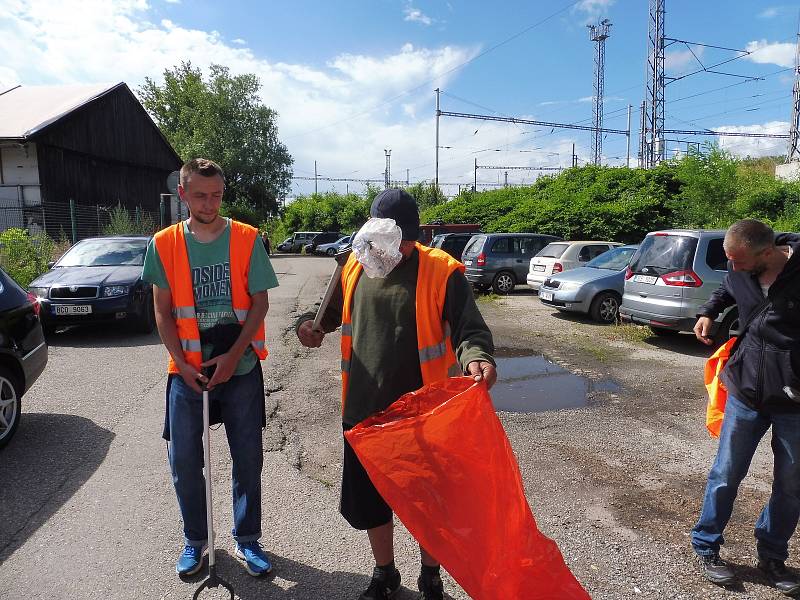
x=241 y=401
x=742 y=429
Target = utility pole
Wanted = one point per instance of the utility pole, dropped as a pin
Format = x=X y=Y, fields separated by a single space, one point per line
x=388 y=172
x=475 y=177
x=407 y=179
x=505 y=183
x=599 y=34
x=654 y=125
x=438 y=114
x=642 y=136
x=315 y=177
x=574 y=157
x=794 y=131
x=628 y=150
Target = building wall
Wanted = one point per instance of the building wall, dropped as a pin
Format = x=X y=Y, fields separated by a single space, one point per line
x=105 y=153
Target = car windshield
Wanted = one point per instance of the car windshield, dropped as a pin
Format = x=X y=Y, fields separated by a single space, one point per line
x=553 y=250
x=342 y=240
x=615 y=259
x=663 y=252
x=105 y=253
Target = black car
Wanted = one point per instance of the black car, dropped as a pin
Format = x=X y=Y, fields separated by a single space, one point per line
x=23 y=351
x=452 y=243
x=98 y=280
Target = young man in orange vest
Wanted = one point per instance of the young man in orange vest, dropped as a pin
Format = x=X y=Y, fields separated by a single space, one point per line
x=417 y=325
x=210 y=278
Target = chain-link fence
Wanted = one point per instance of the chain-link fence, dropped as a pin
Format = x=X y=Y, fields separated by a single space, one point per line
x=31 y=237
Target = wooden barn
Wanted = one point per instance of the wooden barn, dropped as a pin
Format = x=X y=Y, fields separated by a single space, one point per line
x=95 y=145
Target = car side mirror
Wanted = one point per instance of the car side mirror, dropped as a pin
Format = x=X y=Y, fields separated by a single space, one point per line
x=50 y=264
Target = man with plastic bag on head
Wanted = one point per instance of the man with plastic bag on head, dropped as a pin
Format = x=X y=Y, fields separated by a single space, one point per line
x=411 y=321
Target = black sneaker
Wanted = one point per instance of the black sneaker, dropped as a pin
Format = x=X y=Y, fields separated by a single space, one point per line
x=784 y=580
x=431 y=587
x=716 y=570
x=382 y=586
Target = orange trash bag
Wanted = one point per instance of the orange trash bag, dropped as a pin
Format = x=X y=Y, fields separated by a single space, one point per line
x=717 y=394
x=441 y=459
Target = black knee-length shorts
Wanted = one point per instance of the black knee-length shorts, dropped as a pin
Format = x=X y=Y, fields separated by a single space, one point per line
x=361 y=504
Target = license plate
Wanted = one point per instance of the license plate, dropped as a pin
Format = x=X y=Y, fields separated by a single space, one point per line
x=467 y=262
x=538 y=267
x=72 y=309
x=645 y=278
x=546 y=296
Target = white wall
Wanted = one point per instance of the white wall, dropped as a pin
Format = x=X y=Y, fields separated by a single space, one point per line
x=19 y=167
x=788 y=172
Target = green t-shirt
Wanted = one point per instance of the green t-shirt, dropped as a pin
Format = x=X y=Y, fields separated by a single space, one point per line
x=211 y=280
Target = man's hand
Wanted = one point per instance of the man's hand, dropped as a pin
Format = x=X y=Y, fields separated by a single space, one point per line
x=481 y=369
x=190 y=376
x=226 y=365
x=308 y=336
x=702 y=330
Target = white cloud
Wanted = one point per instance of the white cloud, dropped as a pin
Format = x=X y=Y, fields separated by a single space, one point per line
x=775 y=53
x=173 y=1
x=239 y=42
x=46 y=43
x=680 y=59
x=416 y=16
x=769 y=13
x=743 y=146
x=593 y=10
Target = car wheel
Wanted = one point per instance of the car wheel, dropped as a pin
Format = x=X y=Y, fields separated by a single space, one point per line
x=10 y=405
x=147 y=322
x=330 y=252
x=605 y=307
x=503 y=282
x=663 y=331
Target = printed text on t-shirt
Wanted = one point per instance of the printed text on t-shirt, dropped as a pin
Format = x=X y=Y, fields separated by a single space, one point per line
x=211 y=281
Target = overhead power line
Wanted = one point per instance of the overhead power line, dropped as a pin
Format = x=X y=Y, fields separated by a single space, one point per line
x=445 y=113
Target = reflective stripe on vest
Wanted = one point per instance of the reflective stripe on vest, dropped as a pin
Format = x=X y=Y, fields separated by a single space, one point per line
x=170 y=244
x=436 y=356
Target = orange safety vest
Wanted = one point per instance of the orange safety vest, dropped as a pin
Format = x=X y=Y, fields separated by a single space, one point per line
x=717 y=394
x=171 y=247
x=437 y=360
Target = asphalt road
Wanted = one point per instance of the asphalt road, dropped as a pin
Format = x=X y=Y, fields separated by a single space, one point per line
x=87 y=508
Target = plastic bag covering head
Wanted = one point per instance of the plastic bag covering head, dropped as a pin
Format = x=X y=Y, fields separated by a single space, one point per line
x=377 y=247
x=441 y=459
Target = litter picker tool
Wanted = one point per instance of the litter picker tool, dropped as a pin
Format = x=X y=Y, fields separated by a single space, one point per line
x=212 y=581
x=340 y=258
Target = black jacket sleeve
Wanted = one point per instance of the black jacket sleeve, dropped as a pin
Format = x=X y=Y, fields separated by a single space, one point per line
x=721 y=299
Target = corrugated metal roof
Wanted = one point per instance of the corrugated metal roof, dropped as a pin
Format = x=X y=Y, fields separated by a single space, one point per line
x=24 y=110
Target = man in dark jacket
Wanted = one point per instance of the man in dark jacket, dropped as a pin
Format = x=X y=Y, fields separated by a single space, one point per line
x=763 y=383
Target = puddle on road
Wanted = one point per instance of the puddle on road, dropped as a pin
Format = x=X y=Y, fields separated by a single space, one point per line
x=534 y=384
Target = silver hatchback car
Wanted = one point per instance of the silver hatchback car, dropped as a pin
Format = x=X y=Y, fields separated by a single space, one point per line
x=672 y=274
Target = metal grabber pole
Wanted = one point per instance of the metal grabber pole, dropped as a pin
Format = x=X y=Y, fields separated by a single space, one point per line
x=212 y=581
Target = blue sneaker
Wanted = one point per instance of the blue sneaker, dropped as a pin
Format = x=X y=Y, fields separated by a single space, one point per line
x=191 y=560
x=255 y=559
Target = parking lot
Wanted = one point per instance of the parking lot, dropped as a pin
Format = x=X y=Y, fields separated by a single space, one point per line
x=615 y=476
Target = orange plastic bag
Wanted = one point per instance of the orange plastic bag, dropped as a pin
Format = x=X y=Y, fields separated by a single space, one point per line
x=441 y=459
x=717 y=394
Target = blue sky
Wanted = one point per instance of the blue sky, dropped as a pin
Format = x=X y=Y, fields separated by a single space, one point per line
x=350 y=78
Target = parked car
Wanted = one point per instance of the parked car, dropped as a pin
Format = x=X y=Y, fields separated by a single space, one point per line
x=672 y=274
x=23 y=351
x=98 y=280
x=332 y=248
x=500 y=260
x=297 y=240
x=428 y=231
x=595 y=289
x=452 y=243
x=326 y=237
x=285 y=245
x=563 y=256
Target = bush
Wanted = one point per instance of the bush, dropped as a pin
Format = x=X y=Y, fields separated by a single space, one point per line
x=122 y=223
x=23 y=256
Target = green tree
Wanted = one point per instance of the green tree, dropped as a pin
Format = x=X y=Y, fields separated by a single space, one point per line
x=222 y=118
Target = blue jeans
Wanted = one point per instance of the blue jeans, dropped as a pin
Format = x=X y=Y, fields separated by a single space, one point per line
x=241 y=400
x=742 y=429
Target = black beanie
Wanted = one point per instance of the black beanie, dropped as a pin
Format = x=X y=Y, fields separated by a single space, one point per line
x=398 y=205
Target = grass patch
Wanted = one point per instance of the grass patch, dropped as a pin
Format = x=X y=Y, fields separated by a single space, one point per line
x=627 y=332
x=490 y=297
